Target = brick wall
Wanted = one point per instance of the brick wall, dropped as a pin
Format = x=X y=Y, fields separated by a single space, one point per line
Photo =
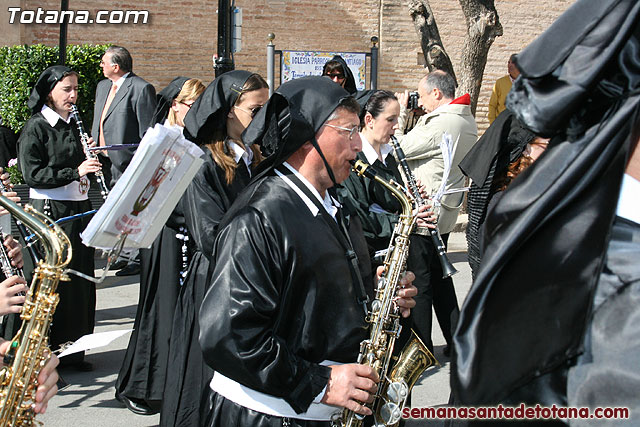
x=180 y=37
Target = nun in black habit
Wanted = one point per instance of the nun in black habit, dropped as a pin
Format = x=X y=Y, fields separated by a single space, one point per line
x=337 y=70
x=535 y=312
x=54 y=166
x=284 y=296
x=216 y=121
x=141 y=380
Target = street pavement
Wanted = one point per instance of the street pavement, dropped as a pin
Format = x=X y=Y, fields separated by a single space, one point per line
x=88 y=400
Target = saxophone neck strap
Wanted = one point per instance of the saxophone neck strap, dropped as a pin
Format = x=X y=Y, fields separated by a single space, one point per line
x=339 y=230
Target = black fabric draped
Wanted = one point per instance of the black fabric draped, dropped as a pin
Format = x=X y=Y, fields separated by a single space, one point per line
x=143 y=371
x=523 y=321
x=209 y=111
x=204 y=203
x=350 y=81
x=142 y=374
x=502 y=143
x=45 y=84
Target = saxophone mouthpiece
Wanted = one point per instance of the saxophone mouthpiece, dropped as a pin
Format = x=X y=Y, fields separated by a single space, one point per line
x=363 y=169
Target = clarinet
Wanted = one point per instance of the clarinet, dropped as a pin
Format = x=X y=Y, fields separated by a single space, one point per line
x=84 y=139
x=5 y=261
x=448 y=269
x=35 y=256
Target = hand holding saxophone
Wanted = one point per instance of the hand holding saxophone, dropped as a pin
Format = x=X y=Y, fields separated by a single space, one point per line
x=47 y=379
x=406 y=291
x=350 y=386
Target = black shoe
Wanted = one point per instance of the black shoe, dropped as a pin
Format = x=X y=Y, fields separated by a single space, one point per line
x=118 y=265
x=137 y=406
x=447 y=351
x=129 y=270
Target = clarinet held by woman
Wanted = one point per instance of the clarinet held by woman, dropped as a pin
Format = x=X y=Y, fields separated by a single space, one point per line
x=448 y=269
x=84 y=139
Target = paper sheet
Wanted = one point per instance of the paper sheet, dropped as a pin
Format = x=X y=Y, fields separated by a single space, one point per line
x=87 y=342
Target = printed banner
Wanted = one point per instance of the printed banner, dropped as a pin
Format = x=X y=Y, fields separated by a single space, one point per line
x=296 y=64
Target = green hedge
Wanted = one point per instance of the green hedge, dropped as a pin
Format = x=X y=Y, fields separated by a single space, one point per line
x=20 y=67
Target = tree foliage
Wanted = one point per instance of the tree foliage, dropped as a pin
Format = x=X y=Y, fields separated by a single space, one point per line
x=20 y=67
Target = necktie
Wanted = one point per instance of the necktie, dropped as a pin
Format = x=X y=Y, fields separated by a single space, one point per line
x=112 y=94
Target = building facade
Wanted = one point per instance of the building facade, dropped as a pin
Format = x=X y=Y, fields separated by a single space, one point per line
x=180 y=37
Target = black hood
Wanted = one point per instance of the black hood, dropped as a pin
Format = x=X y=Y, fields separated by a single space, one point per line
x=45 y=84
x=350 y=81
x=291 y=117
x=165 y=99
x=209 y=111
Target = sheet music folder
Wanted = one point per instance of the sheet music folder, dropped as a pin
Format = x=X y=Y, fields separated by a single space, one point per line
x=145 y=195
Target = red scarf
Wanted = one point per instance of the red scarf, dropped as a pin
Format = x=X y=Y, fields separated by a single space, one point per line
x=464 y=100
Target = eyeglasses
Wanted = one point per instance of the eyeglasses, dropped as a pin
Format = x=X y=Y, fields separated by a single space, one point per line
x=251 y=112
x=188 y=105
x=338 y=76
x=351 y=131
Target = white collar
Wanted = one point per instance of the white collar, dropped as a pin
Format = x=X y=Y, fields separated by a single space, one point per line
x=52 y=116
x=240 y=153
x=120 y=82
x=330 y=204
x=370 y=152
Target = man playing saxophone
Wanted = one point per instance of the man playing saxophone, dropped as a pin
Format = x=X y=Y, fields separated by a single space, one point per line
x=284 y=316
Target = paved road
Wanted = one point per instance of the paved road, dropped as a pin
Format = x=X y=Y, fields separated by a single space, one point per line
x=89 y=398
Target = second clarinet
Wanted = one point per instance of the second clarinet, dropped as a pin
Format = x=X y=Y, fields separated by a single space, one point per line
x=448 y=269
x=84 y=139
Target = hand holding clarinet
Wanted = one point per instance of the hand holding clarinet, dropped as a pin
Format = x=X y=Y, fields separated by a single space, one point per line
x=422 y=202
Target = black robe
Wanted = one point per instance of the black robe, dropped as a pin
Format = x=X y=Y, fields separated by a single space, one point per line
x=359 y=193
x=49 y=157
x=524 y=319
x=142 y=374
x=204 y=203
x=281 y=299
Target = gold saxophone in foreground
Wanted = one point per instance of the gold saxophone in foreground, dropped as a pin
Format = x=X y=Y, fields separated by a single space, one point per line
x=384 y=317
x=26 y=355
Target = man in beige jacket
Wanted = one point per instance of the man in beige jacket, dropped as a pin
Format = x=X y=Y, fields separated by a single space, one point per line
x=445 y=114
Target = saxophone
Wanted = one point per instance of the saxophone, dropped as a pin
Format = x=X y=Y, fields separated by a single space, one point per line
x=27 y=353
x=384 y=317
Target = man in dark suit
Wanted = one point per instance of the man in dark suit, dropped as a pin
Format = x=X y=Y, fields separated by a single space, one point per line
x=124 y=107
x=130 y=102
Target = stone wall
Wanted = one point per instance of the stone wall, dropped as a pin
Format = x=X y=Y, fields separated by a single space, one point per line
x=180 y=36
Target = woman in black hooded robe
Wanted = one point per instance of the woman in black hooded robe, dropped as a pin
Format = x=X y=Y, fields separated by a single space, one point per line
x=54 y=165
x=216 y=120
x=337 y=70
x=140 y=383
